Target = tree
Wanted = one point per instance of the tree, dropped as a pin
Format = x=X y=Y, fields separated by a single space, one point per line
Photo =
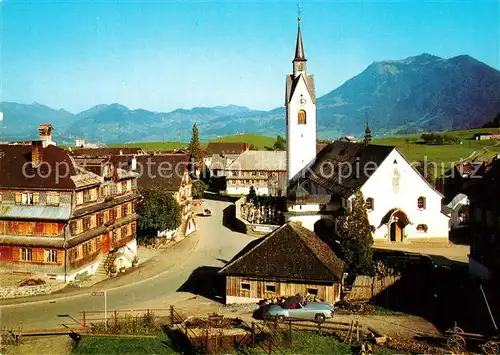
x=280 y=143
x=198 y=188
x=252 y=195
x=355 y=237
x=252 y=147
x=158 y=211
x=428 y=169
x=195 y=148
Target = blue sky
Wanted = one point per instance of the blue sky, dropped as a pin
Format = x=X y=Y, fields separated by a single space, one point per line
x=162 y=55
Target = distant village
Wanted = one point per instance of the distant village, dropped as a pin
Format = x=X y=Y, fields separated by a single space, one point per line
x=320 y=217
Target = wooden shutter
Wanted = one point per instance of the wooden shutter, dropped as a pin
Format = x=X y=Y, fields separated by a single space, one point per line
x=100 y=219
x=72 y=227
x=36 y=198
x=19 y=197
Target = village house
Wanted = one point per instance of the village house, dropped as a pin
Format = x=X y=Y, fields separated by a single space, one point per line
x=456 y=179
x=262 y=169
x=487 y=136
x=60 y=220
x=484 y=224
x=170 y=171
x=290 y=260
x=402 y=206
x=219 y=155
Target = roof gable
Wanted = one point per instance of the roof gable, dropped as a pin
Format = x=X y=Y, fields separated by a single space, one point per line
x=290 y=252
x=339 y=167
x=226 y=148
x=56 y=171
x=267 y=160
x=292 y=83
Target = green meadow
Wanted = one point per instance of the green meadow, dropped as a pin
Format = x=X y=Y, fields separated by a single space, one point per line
x=409 y=145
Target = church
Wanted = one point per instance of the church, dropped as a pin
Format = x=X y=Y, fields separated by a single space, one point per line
x=402 y=206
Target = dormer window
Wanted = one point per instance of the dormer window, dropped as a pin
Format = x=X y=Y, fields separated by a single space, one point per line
x=370 y=204
x=421 y=203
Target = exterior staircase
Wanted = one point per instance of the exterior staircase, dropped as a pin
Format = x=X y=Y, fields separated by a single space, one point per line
x=103 y=268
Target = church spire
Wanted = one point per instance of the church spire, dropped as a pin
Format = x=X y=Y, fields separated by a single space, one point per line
x=299 y=48
x=368 y=132
x=299 y=61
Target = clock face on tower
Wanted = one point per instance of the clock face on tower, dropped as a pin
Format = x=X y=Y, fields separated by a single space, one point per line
x=300 y=67
x=302 y=101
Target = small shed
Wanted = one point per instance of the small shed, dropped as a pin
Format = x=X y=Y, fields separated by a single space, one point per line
x=290 y=260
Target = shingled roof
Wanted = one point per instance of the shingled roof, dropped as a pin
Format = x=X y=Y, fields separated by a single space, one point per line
x=226 y=148
x=291 y=252
x=164 y=170
x=266 y=160
x=57 y=171
x=328 y=169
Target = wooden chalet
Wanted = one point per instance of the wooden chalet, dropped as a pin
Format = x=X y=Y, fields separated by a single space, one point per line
x=290 y=260
x=59 y=219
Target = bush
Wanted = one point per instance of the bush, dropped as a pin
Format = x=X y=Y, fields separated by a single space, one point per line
x=198 y=188
x=32 y=282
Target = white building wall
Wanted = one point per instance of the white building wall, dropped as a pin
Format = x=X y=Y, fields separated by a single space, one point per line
x=243 y=190
x=301 y=138
x=388 y=194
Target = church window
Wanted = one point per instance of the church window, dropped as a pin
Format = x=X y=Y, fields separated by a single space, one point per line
x=421 y=203
x=370 y=205
x=302 y=117
x=422 y=228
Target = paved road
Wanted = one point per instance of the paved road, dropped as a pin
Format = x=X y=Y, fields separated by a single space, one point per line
x=217 y=243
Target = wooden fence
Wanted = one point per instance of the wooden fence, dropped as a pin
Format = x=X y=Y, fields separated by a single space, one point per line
x=369 y=287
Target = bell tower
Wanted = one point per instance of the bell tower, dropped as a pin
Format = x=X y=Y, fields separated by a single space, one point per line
x=300 y=104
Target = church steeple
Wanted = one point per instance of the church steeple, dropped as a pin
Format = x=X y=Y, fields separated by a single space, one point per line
x=368 y=132
x=299 y=47
x=299 y=61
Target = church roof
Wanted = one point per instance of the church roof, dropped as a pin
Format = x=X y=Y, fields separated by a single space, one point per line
x=299 y=48
x=291 y=84
x=330 y=168
x=290 y=252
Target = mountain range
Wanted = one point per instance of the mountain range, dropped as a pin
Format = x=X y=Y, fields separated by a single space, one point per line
x=418 y=94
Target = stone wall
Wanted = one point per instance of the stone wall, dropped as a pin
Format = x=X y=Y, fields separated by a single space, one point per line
x=249 y=228
x=26 y=291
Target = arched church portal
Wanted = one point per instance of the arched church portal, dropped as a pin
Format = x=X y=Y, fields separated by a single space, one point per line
x=396 y=221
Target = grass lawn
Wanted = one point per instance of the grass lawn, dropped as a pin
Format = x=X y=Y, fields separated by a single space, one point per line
x=311 y=343
x=257 y=140
x=446 y=154
x=123 y=346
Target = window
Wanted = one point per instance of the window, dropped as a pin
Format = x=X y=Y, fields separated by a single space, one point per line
x=129 y=185
x=421 y=203
x=118 y=212
x=51 y=256
x=302 y=117
x=118 y=188
x=27 y=198
x=79 y=198
x=93 y=221
x=105 y=216
x=312 y=291
x=271 y=288
x=106 y=191
x=245 y=286
x=124 y=186
x=93 y=194
x=370 y=204
x=422 y=228
x=26 y=254
x=52 y=199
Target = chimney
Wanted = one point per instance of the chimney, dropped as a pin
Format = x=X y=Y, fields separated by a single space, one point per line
x=45 y=133
x=36 y=153
x=133 y=164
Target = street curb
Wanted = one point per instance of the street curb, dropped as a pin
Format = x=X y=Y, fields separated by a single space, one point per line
x=87 y=293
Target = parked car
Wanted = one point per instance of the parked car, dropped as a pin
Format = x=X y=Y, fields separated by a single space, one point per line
x=316 y=311
x=207 y=212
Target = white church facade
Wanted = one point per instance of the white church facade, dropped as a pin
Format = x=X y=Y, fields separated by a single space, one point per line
x=402 y=206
